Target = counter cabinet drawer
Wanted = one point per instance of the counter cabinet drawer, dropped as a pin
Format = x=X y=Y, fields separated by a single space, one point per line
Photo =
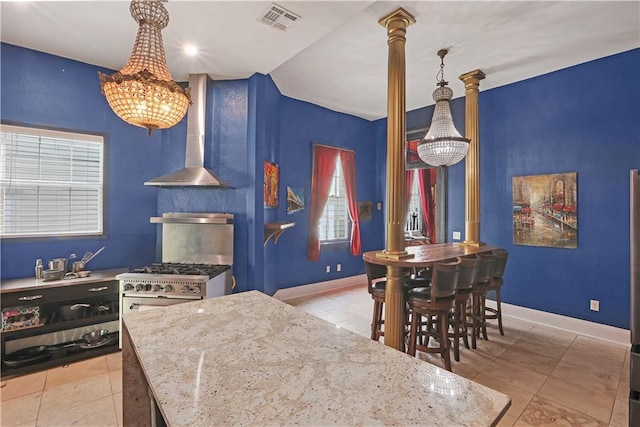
x=62 y=293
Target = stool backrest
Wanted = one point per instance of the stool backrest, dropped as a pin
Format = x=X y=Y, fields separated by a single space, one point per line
x=468 y=272
x=501 y=262
x=486 y=268
x=444 y=279
x=374 y=272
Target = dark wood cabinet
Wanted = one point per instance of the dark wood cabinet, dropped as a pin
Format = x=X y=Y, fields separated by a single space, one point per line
x=57 y=314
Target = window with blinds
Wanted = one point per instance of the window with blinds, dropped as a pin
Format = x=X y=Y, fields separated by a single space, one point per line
x=334 y=223
x=51 y=183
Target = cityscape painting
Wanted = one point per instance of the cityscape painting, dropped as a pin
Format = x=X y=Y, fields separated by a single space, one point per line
x=545 y=210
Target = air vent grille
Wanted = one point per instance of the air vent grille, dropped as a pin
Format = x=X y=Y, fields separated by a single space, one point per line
x=278 y=17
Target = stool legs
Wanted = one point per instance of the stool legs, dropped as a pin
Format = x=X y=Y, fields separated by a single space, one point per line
x=496 y=313
x=376 y=322
x=442 y=330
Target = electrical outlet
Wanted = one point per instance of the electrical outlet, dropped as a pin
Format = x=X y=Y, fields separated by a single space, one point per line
x=328 y=269
x=379 y=206
x=456 y=235
x=339 y=267
x=594 y=305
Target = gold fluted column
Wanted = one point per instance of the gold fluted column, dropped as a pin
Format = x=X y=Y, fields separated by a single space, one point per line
x=396 y=24
x=472 y=162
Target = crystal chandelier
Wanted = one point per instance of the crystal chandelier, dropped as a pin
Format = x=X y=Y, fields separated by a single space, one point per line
x=143 y=93
x=442 y=145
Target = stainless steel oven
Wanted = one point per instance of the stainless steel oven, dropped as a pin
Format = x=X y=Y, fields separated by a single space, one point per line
x=197 y=263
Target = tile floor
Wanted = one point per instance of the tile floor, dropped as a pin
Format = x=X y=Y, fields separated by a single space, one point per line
x=553 y=377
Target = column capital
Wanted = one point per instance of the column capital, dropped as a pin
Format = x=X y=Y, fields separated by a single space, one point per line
x=398 y=15
x=472 y=77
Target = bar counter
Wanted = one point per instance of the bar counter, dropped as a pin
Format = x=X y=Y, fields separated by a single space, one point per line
x=249 y=359
x=427 y=255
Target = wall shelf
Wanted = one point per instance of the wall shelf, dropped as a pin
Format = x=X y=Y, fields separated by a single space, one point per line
x=275 y=230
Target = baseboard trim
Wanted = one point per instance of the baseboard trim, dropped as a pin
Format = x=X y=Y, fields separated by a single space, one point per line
x=570 y=324
x=320 y=287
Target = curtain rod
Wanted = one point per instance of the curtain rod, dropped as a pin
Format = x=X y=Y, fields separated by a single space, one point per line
x=334 y=147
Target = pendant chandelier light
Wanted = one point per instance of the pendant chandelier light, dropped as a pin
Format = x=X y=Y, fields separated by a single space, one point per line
x=143 y=93
x=442 y=145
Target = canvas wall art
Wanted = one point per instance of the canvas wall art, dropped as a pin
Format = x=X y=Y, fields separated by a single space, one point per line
x=295 y=200
x=271 y=183
x=545 y=210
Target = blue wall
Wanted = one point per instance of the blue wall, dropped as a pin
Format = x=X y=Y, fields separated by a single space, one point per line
x=302 y=125
x=576 y=119
x=583 y=119
x=49 y=91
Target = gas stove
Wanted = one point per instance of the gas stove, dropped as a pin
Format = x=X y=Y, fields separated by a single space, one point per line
x=176 y=280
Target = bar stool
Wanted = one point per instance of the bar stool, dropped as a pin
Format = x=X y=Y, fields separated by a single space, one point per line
x=436 y=301
x=467 y=279
x=376 y=285
x=495 y=285
x=478 y=323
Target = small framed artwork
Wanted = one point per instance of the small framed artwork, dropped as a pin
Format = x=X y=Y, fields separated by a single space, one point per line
x=295 y=200
x=545 y=210
x=365 y=210
x=271 y=183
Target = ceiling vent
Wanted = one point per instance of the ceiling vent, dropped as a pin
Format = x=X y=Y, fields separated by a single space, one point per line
x=278 y=17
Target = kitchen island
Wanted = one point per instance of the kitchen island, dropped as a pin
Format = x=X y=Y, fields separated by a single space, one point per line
x=249 y=359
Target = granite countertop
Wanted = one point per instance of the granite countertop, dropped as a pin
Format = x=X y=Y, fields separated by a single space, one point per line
x=30 y=283
x=249 y=359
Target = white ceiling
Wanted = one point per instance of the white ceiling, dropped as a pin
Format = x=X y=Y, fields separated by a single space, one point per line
x=336 y=54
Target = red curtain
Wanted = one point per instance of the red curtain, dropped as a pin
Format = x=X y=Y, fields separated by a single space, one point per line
x=426 y=202
x=324 y=162
x=348 y=161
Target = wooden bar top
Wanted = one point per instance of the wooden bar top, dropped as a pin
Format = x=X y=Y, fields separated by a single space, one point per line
x=427 y=255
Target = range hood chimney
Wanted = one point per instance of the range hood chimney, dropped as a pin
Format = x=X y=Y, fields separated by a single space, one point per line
x=194 y=173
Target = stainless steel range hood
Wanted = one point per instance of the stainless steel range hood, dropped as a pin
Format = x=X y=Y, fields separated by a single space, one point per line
x=194 y=174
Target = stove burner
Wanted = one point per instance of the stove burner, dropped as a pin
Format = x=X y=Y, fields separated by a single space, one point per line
x=210 y=270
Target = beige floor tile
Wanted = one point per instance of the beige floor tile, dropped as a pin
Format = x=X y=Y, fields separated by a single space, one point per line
x=519 y=398
x=529 y=359
x=597 y=353
x=542 y=412
x=20 y=386
x=554 y=335
x=620 y=415
x=28 y=424
x=76 y=371
x=471 y=363
x=506 y=421
x=515 y=326
x=117 y=401
x=623 y=388
x=590 y=401
x=514 y=374
x=357 y=325
x=20 y=410
x=586 y=377
x=115 y=378
x=114 y=361
x=537 y=344
x=100 y=412
x=76 y=393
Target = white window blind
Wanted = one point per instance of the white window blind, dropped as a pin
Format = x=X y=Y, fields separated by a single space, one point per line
x=334 y=223
x=52 y=183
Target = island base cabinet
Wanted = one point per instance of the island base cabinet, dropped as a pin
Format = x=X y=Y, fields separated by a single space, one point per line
x=139 y=407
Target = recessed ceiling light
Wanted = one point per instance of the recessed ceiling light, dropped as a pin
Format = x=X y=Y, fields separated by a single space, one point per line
x=190 y=50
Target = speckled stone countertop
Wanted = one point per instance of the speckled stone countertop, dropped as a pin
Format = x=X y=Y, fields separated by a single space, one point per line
x=249 y=359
